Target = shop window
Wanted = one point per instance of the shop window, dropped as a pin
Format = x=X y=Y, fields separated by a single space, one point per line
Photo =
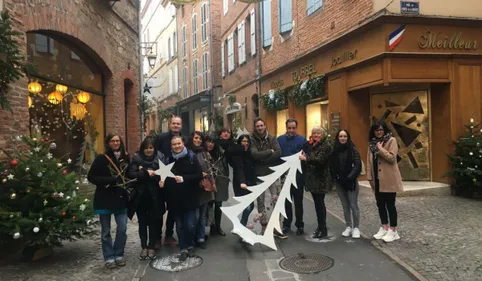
x=281 y=117
x=201 y=121
x=316 y=115
x=68 y=107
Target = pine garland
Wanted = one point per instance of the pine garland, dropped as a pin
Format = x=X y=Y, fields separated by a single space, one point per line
x=275 y=100
x=306 y=91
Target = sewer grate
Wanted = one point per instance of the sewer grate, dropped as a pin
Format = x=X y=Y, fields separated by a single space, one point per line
x=172 y=264
x=306 y=263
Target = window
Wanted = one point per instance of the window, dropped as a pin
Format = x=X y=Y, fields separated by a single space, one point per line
x=44 y=44
x=205 y=71
x=230 y=53
x=285 y=18
x=171 y=82
x=176 y=80
x=252 y=28
x=184 y=80
x=194 y=76
x=204 y=21
x=266 y=6
x=184 y=41
x=312 y=6
x=241 y=43
x=194 y=43
x=222 y=60
x=225 y=6
x=169 y=44
x=174 y=44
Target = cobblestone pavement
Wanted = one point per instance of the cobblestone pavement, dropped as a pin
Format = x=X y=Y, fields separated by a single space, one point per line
x=441 y=236
x=76 y=261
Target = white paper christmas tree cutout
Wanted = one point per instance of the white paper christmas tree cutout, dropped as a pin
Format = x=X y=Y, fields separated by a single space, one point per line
x=241 y=132
x=165 y=171
x=292 y=164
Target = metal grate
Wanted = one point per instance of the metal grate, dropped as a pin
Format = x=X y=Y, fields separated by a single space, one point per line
x=306 y=263
x=171 y=263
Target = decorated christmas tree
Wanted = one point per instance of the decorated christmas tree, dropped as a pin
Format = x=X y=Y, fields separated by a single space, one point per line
x=39 y=205
x=467 y=160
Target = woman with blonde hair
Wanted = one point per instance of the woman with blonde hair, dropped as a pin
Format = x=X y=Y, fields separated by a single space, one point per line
x=316 y=168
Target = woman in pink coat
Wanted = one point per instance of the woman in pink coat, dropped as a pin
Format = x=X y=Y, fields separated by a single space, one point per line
x=384 y=178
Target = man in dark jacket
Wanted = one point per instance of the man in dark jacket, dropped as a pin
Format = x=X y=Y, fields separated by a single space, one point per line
x=290 y=144
x=266 y=153
x=163 y=144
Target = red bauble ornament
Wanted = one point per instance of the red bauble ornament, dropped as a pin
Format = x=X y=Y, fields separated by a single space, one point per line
x=46 y=139
x=14 y=163
x=73 y=217
x=63 y=214
x=64 y=172
x=42 y=140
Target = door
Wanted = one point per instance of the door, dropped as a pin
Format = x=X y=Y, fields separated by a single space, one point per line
x=406 y=115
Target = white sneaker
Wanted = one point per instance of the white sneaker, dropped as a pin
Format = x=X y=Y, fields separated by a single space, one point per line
x=347 y=232
x=355 y=233
x=391 y=236
x=381 y=232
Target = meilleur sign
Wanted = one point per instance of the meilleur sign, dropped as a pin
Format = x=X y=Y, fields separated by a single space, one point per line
x=438 y=40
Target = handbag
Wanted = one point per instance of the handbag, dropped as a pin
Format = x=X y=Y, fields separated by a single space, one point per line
x=363 y=169
x=207 y=184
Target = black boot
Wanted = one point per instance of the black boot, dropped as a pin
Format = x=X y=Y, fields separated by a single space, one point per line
x=317 y=233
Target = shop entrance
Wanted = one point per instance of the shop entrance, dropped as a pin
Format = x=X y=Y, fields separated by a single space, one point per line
x=407 y=115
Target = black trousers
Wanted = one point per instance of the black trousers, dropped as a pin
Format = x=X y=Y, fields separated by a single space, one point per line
x=169 y=224
x=386 y=205
x=217 y=214
x=148 y=218
x=319 y=200
x=297 y=197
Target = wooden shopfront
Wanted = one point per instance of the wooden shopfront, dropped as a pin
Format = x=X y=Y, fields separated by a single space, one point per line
x=422 y=77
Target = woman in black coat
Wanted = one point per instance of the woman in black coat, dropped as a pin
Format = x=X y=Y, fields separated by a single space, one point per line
x=108 y=173
x=244 y=172
x=182 y=194
x=148 y=201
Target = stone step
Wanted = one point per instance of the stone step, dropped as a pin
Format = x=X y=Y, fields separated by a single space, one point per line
x=420 y=188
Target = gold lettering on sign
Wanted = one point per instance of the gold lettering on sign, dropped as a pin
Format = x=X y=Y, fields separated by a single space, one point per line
x=277 y=84
x=348 y=55
x=431 y=40
x=303 y=72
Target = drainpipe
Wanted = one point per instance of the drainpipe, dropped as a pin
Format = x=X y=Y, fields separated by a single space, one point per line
x=211 y=95
x=259 y=48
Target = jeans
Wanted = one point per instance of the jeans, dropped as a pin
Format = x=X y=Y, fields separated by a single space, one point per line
x=148 y=225
x=115 y=250
x=274 y=189
x=297 y=196
x=201 y=215
x=186 y=228
x=246 y=213
x=349 y=201
x=386 y=204
x=319 y=200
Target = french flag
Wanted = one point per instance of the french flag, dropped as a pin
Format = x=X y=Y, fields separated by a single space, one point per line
x=395 y=37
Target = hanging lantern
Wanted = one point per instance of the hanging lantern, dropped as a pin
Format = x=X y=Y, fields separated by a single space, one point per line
x=83 y=97
x=34 y=87
x=30 y=102
x=55 y=97
x=77 y=111
x=61 y=88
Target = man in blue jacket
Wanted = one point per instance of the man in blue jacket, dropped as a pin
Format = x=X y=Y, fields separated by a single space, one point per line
x=292 y=143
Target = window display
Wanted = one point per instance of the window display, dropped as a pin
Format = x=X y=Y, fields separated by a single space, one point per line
x=316 y=115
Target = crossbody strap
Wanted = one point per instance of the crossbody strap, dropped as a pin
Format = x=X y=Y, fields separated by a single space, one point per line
x=115 y=167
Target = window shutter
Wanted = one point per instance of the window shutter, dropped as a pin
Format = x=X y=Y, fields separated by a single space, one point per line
x=240 y=36
x=170 y=81
x=252 y=28
x=166 y=53
x=312 y=6
x=243 y=41
x=176 y=79
x=225 y=6
x=230 y=53
x=266 y=23
x=184 y=77
x=222 y=60
x=194 y=43
x=285 y=16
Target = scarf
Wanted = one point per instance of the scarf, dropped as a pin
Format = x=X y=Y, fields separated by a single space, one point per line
x=343 y=159
x=373 y=143
x=117 y=154
x=224 y=144
x=179 y=155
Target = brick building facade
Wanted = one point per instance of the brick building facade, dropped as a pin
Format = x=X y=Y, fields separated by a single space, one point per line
x=88 y=46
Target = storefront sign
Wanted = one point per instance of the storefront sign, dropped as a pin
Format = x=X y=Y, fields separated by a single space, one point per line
x=277 y=84
x=349 y=55
x=409 y=7
x=304 y=71
x=436 y=40
x=235 y=107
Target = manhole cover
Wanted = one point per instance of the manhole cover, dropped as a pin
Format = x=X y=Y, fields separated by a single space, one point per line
x=306 y=263
x=172 y=264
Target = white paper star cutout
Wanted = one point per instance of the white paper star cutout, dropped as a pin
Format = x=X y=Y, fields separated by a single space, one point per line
x=37 y=149
x=82 y=207
x=61 y=194
x=165 y=171
x=46 y=202
x=69 y=160
x=10 y=177
x=49 y=155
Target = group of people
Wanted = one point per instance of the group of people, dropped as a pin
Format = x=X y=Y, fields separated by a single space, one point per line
x=201 y=165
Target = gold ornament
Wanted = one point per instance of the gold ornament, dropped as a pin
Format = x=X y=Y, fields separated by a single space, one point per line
x=13 y=196
x=30 y=102
x=55 y=97
x=59 y=165
x=61 y=88
x=77 y=110
x=83 y=97
x=4 y=180
x=34 y=87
